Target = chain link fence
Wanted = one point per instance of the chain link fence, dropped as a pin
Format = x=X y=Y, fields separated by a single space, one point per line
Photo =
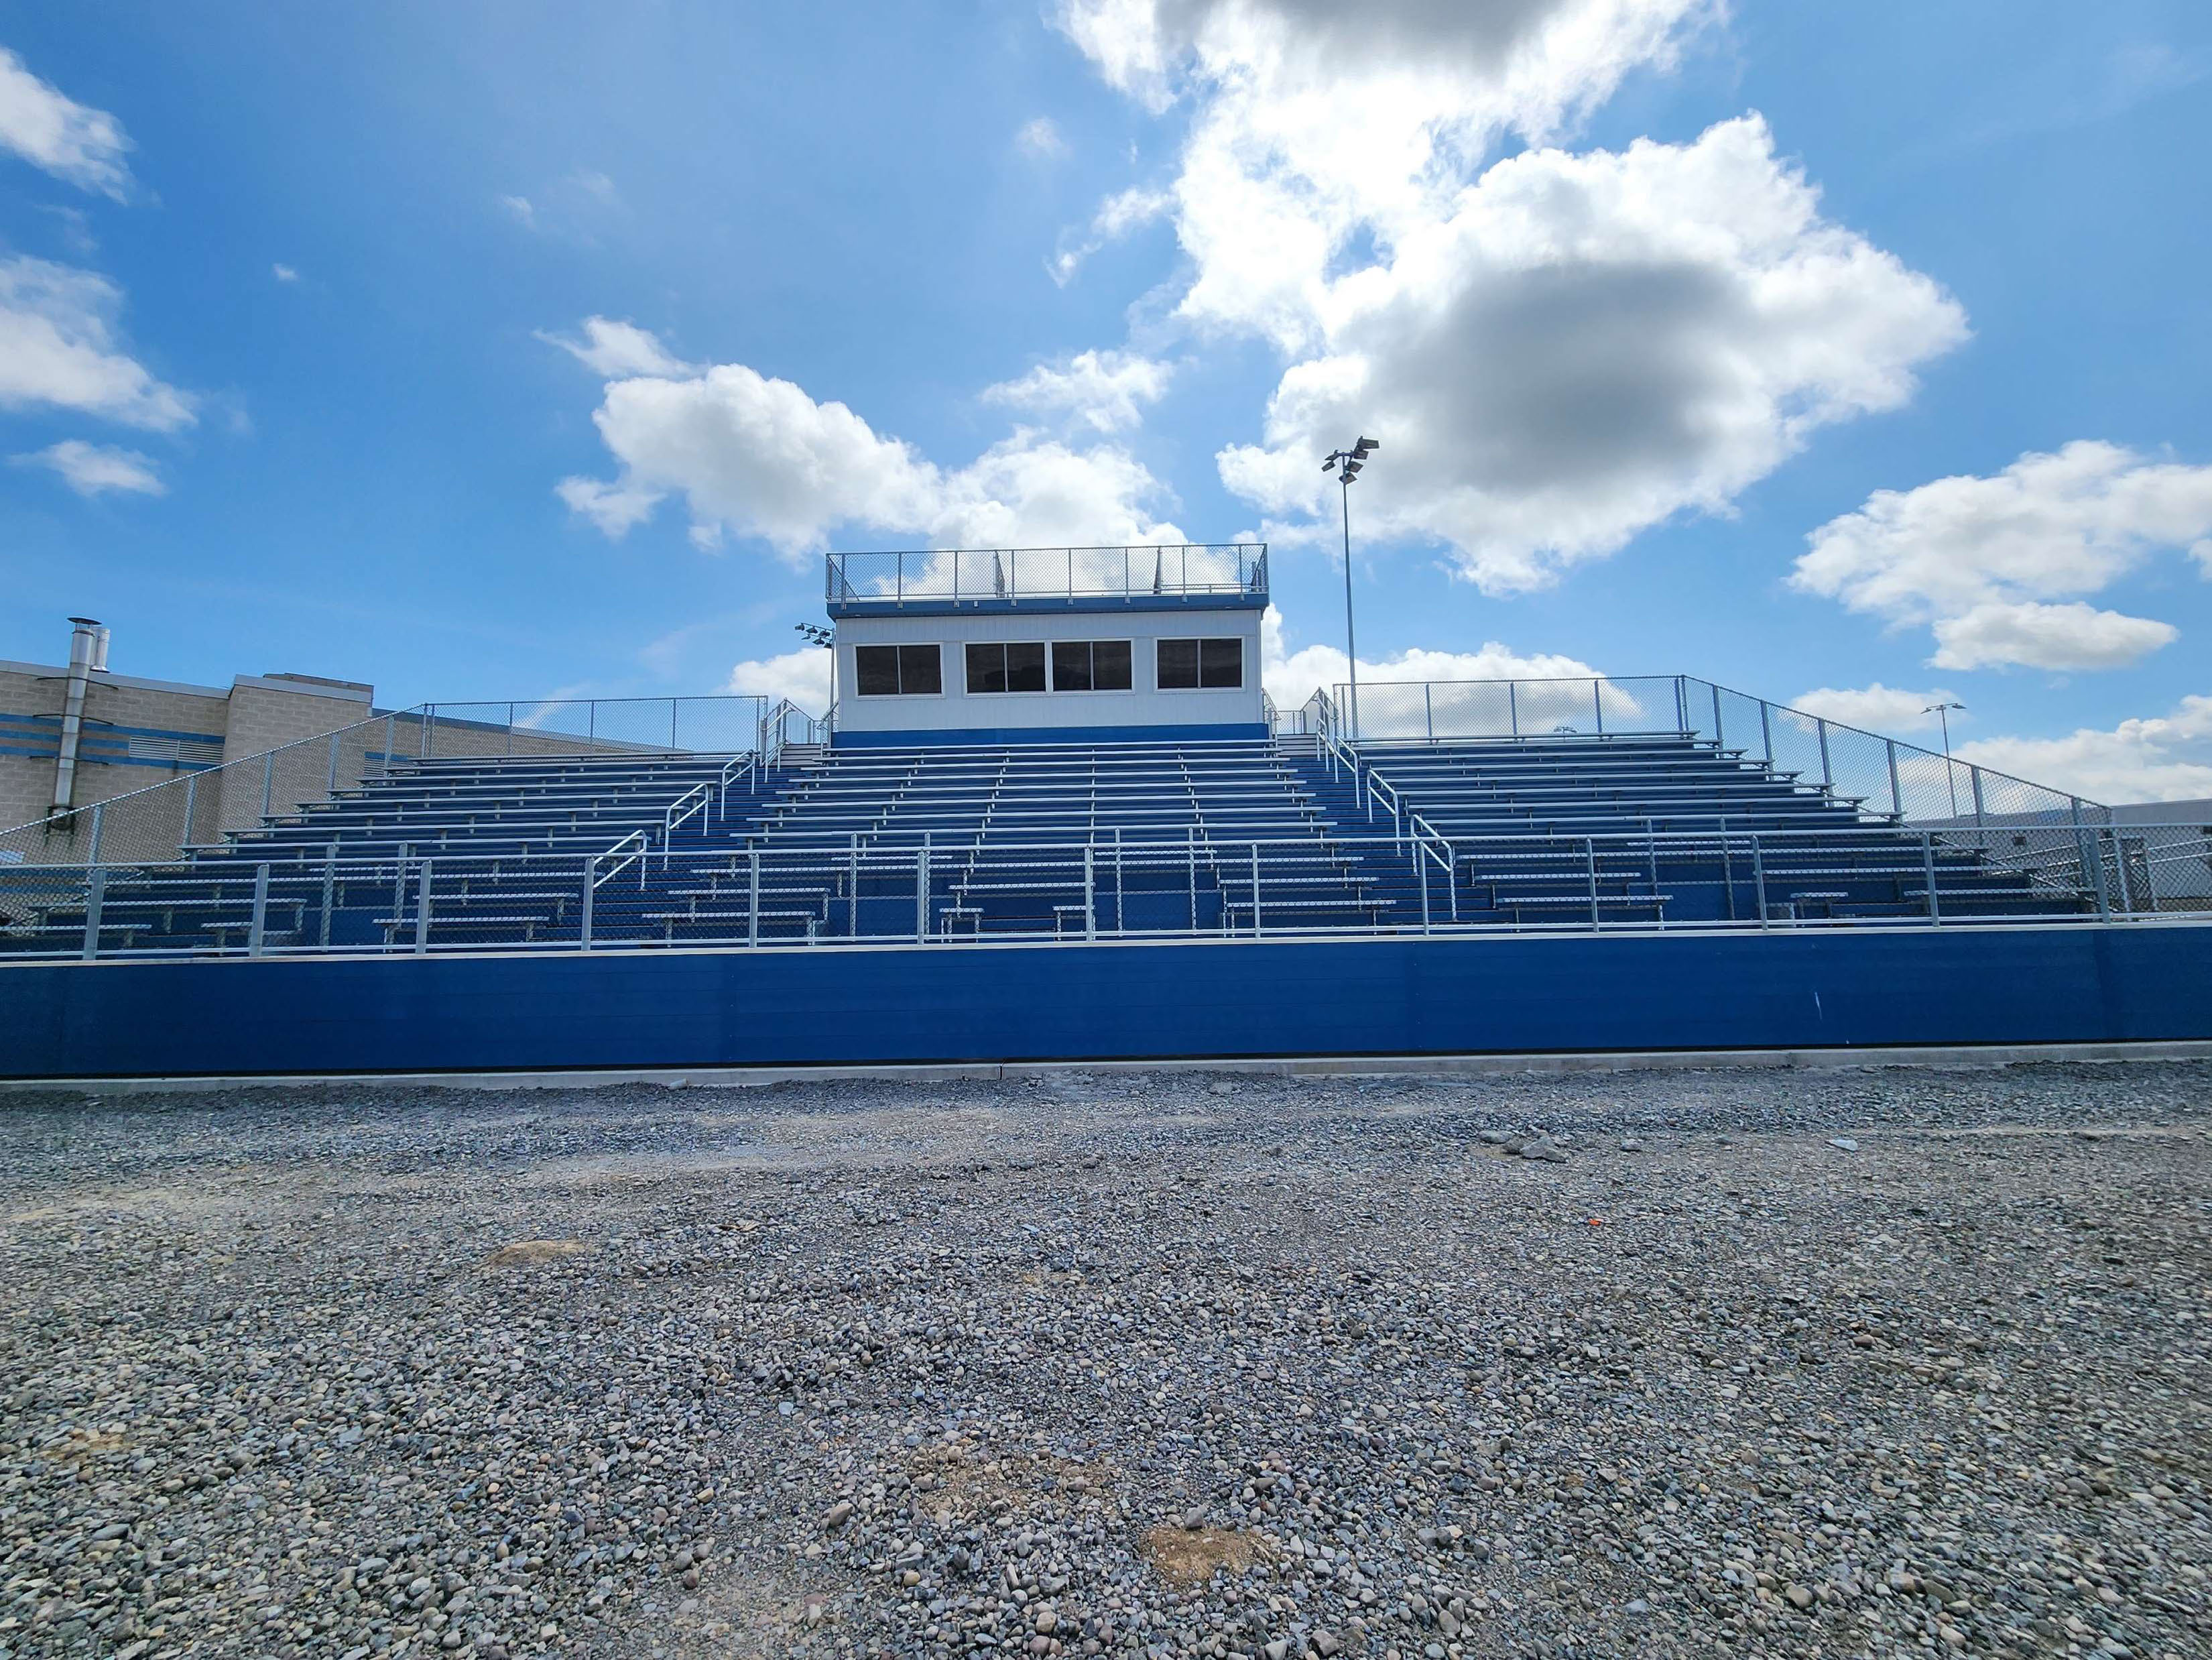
x=1882 y=777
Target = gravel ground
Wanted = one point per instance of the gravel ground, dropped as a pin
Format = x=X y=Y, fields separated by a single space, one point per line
x=1848 y=1363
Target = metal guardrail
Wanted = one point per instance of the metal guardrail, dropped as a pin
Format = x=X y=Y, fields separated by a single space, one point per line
x=727 y=724
x=965 y=575
x=1417 y=879
x=200 y=809
x=1884 y=776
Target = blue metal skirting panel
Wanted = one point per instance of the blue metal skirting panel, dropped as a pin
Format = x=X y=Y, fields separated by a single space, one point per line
x=2075 y=984
x=1195 y=734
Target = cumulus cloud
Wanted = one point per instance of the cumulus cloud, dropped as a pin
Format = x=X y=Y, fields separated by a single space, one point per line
x=96 y=469
x=2163 y=758
x=2075 y=637
x=58 y=349
x=614 y=349
x=50 y=129
x=1116 y=217
x=758 y=456
x=1978 y=559
x=1558 y=349
x=802 y=676
x=1104 y=391
x=1877 y=708
x=1292 y=676
x=1040 y=139
x=283 y=273
x=1590 y=343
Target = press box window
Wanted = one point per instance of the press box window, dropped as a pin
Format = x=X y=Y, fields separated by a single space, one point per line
x=1195 y=665
x=893 y=670
x=1000 y=665
x=1091 y=665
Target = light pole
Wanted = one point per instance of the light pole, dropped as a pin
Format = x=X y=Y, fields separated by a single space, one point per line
x=1942 y=712
x=815 y=635
x=1345 y=466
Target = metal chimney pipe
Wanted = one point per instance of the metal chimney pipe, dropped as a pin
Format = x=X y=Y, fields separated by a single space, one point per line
x=87 y=648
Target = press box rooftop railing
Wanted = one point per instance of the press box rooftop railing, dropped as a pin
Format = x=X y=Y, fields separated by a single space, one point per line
x=981 y=578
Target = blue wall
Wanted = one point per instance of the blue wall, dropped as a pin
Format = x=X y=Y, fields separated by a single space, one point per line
x=1184 y=734
x=1399 y=996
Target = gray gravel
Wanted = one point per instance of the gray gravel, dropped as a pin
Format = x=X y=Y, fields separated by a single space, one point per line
x=1848 y=1363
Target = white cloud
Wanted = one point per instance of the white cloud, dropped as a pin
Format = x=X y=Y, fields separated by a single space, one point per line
x=1559 y=350
x=1040 y=139
x=2075 y=636
x=57 y=349
x=2164 y=758
x=521 y=210
x=1978 y=559
x=1117 y=215
x=758 y=457
x=1585 y=345
x=1102 y=389
x=283 y=273
x=616 y=350
x=1877 y=708
x=95 y=469
x=51 y=130
x=1292 y=676
x=803 y=676
x=615 y=509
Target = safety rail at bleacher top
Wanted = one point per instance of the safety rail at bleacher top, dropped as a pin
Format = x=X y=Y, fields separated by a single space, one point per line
x=625 y=896
x=1908 y=783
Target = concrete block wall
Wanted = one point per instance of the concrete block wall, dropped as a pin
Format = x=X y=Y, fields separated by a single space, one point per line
x=254 y=713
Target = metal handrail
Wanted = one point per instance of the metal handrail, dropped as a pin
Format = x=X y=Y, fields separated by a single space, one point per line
x=896 y=577
x=1602 y=881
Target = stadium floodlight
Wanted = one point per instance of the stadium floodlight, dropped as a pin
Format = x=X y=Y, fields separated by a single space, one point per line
x=815 y=635
x=1942 y=711
x=1345 y=466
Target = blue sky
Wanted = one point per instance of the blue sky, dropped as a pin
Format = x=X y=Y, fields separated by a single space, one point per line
x=1856 y=349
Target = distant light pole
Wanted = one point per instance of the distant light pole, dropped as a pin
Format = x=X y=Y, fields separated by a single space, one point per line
x=815 y=635
x=1942 y=712
x=1345 y=464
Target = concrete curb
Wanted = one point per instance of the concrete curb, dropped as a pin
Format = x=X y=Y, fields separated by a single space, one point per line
x=1953 y=1057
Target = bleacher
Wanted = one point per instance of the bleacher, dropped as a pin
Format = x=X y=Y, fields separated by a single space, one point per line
x=1660 y=828
x=1051 y=840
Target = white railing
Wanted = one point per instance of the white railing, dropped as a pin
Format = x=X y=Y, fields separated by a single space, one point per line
x=991 y=575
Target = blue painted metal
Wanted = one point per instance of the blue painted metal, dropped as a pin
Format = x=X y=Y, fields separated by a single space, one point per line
x=936 y=736
x=2081 y=983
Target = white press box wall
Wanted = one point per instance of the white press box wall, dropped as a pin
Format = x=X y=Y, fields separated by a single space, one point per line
x=1145 y=705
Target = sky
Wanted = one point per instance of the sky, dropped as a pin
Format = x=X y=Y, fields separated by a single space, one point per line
x=1853 y=354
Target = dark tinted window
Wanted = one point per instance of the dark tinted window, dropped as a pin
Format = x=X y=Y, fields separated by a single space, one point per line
x=1221 y=662
x=1109 y=665
x=921 y=669
x=877 y=667
x=1071 y=665
x=1187 y=665
x=1017 y=666
x=987 y=668
x=1178 y=665
x=1025 y=667
x=888 y=670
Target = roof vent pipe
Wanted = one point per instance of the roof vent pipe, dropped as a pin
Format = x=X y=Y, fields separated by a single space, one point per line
x=87 y=652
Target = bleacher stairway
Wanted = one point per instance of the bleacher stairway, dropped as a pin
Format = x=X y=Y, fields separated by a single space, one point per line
x=1047 y=839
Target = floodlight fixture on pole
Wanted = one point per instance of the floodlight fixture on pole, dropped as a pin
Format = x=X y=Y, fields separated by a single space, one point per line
x=815 y=635
x=1345 y=466
x=1942 y=712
